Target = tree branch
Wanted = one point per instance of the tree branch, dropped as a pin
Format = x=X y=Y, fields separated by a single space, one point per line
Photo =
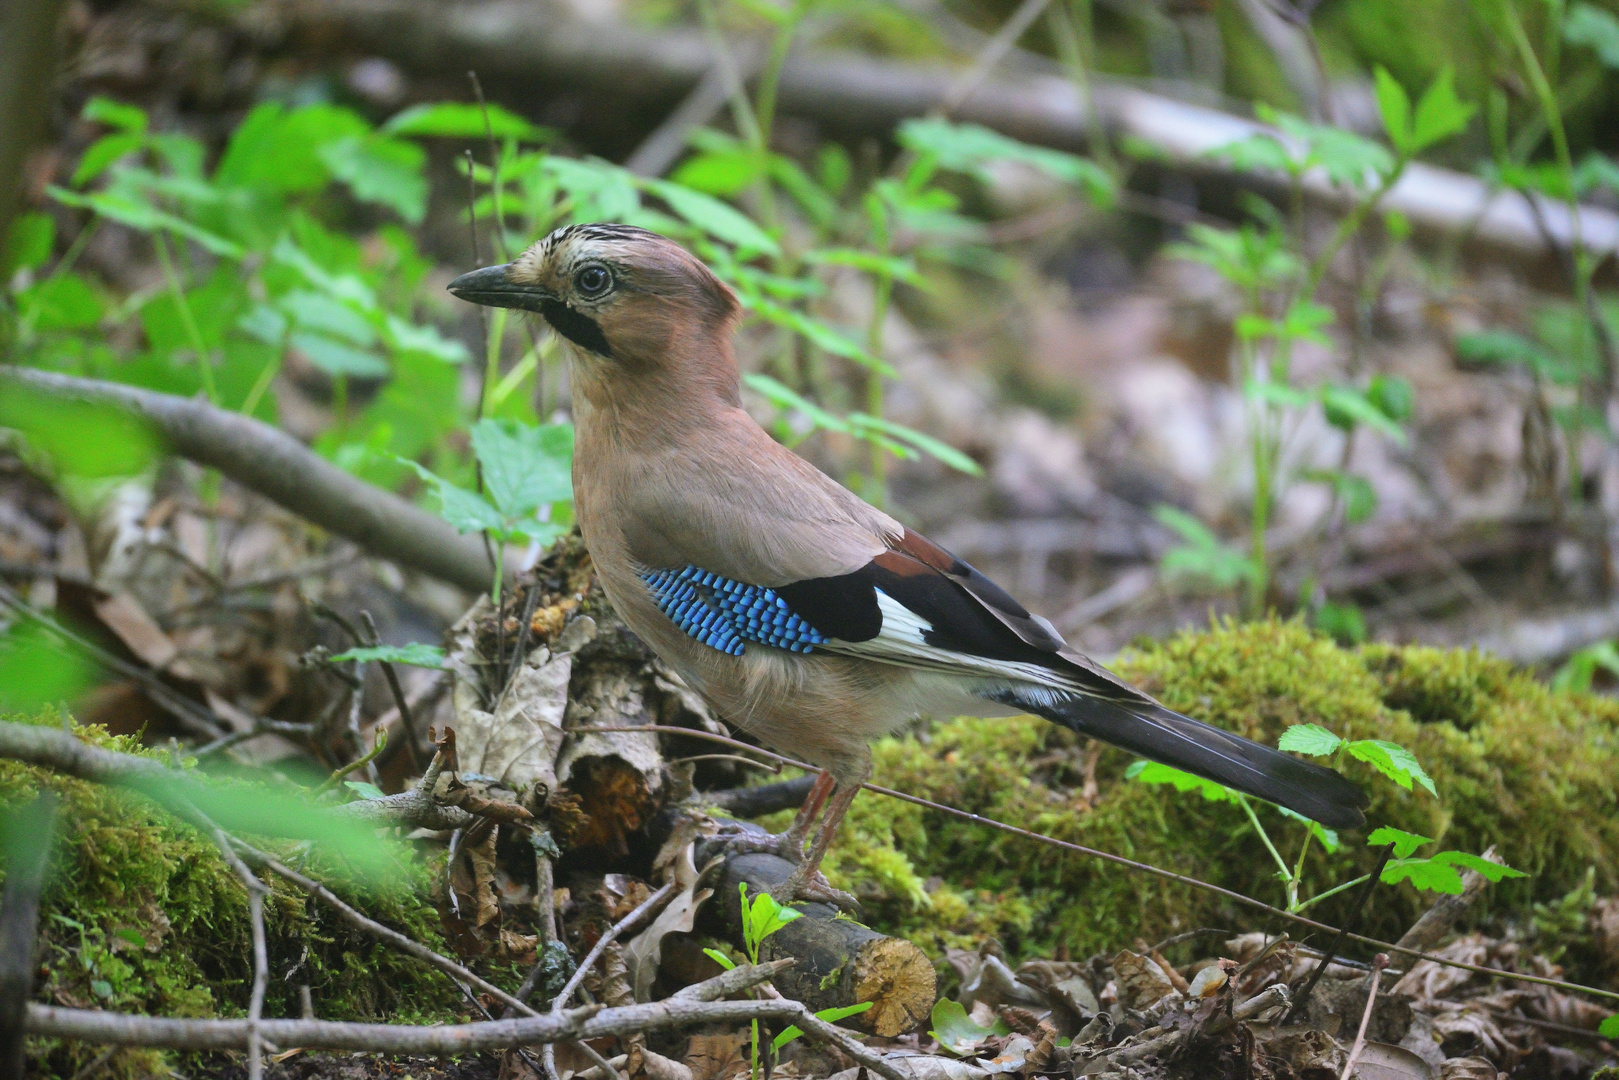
x=280 y=468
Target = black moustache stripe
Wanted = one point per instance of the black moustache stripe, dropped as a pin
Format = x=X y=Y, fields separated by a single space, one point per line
x=582 y=330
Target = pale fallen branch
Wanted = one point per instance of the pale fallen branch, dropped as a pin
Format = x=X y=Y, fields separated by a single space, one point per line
x=277 y=466
x=588 y=1022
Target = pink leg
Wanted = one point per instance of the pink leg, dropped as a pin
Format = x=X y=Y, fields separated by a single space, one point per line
x=793 y=839
x=805 y=882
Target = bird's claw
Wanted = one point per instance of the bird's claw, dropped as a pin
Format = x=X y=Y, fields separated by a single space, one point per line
x=816 y=889
x=784 y=845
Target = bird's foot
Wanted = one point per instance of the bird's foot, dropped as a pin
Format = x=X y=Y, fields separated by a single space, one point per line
x=809 y=884
x=740 y=840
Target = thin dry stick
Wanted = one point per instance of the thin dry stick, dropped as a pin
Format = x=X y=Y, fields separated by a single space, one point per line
x=256 y=891
x=1120 y=860
x=1378 y=964
x=1326 y=956
x=645 y=908
x=994 y=51
x=398 y=692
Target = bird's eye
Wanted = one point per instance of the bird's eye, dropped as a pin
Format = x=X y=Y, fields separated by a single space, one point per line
x=592 y=282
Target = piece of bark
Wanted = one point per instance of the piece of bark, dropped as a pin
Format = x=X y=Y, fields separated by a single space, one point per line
x=752 y=802
x=840 y=961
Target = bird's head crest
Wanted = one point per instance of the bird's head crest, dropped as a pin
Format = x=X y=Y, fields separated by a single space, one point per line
x=619 y=294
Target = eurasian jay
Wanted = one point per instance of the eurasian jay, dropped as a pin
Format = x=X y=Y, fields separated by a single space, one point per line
x=799 y=612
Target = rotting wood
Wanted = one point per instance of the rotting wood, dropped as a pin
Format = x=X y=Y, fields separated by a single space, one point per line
x=518 y=40
x=839 y=961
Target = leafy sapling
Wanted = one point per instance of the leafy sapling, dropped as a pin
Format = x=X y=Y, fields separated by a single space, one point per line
x=527 y=471
x=1436 y=873
x=762 y=917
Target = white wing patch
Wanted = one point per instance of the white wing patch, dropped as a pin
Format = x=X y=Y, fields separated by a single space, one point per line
x=902 y=642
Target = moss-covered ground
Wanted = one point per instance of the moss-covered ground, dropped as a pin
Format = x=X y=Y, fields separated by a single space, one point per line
x=1517 y=765
x=141 y=914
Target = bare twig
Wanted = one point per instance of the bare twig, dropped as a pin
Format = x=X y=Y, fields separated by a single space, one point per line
x=277 y=466
x=1120 y=860
x=418 y=807
x=642 y=910
x=392 y=677
x=587 y=1022
x=256 y=891
x=1381 y=962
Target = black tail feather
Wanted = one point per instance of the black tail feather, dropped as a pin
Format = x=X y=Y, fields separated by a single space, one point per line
x=1165 y=736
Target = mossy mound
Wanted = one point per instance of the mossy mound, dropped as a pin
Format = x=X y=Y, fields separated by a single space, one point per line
x=1533 y=771
x=141 y=914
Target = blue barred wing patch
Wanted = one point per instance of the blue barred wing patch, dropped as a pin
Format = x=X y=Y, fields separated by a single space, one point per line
x=725 y=614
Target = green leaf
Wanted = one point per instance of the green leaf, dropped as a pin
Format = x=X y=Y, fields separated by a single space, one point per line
x=1312 y=740
x=1424 y=874
x=63 y=302
x=863 y=424
x=1392 y=396
x=763 y=917
x=114 y=114
x=1257 y=153
x=1347 y=406
x=310 y=310
x=1610 y=1027
x=145 y=217
x=1440 y=113
x=1393 y=761
x=785 y=398
x=415 y=654
x=724 y=173
x=1328 y=838
x=818 y=334
x=524 y=467
x=969 y=148
x=336 y=357
x=1578 y=671
x=1395 y=108
x=1595 y=28
x=381 y=170
x=1202 y=556
x=831 y=1016
x=897 y=267
x=1275 y=393
x=365 y=789
x=1153 y=772
x=35 y=670
x=1356 y=493
x=81 y=438
x=1344 y=622
x=720 y=958
x=1404 y=842
x=277 y=150
x=457 y=119
x=466 y=510
x=102 y=153
x=426 y=339
x=28 y=243
x=954 y=1029
x=714 y=217
x=1489 y=871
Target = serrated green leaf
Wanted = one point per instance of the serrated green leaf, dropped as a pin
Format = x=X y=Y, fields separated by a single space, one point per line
x=1489 y=871
x=1404 y=842
x=524 y=467
x=1311 y=739
x=1328 y=838
x=1393 y=761
x=337 y=357
x=309 y=310
x=145 y=217
x=1424 y=874
x=1153 y=772
x=415 y=654
x=466 y=510
x=381 y=170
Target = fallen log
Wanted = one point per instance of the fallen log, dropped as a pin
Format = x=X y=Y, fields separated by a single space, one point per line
x=840 y=962
x=531 y=43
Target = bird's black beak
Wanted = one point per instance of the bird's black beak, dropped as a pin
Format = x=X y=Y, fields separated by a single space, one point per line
x=493 y=287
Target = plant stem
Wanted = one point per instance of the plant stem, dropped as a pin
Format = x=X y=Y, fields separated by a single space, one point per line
x=1298 y=873
x=1330 y=892
x=881 y=296
x=1247 y=808
x=491 y=360
x=186 y=318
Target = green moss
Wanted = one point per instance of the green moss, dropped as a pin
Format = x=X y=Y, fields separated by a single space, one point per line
x=1517 y=765
x=142 y=915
